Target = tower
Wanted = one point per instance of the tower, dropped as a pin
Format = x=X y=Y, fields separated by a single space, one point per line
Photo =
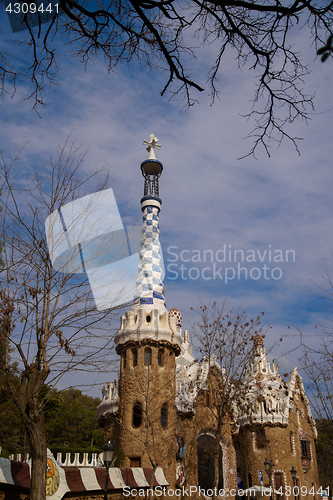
x=276 y=427
x=139 y=410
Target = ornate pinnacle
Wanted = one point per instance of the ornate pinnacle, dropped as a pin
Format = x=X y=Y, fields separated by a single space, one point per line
x=152 y=144
x=151 y=168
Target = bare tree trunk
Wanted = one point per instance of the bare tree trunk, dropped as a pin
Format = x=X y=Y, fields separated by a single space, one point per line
x=216 y=465
x=36 y=434
x=218 y=433
x=27 y=400
x=151 y=485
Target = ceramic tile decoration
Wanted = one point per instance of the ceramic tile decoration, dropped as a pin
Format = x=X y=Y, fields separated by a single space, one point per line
x=149 y=285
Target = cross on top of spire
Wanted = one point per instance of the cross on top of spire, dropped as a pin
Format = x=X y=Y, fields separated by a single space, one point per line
x=152 y=144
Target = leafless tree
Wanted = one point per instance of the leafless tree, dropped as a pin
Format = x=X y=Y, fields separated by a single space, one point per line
x=167 y=35
x=48 y=318
x=317 y=357
x=223 y=337
x=316 y=362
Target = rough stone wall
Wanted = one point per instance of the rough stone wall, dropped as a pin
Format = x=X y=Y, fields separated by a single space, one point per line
x=152 y=387
x=282 y=447
x=203 y=421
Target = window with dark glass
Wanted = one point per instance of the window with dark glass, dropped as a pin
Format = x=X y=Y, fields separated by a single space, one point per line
x=147 y=356
x=305 y=449
x=164 y=416
x=260 y=438
x=124 y=359
x=160 y=357
x=135 y=462
x=135 y=357
x=137 y=415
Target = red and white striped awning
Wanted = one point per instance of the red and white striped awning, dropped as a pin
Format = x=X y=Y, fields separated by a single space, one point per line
x=81 y=479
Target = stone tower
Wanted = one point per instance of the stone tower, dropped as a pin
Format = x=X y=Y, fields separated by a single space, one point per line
x=148 y=341
x=276 y=426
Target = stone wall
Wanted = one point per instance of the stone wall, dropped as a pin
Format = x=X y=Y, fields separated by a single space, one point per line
x=152 y=387
x=282 y=446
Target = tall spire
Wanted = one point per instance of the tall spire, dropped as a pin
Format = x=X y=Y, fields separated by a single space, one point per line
x=149 y=284
x=149 y=320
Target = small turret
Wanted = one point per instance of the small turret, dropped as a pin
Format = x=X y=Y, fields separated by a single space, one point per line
x=267 y=397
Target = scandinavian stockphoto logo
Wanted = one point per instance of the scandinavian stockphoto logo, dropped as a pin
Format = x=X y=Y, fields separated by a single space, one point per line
x=88 y=236
x=227 y=263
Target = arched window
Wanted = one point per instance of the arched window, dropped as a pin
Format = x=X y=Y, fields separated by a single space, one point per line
x=147 y=356
x=137 y=415
x=160 y=357
x=206 y=448
x=135 y=357
x=164 y=416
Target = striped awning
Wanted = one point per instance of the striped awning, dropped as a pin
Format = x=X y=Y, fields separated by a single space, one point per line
x=81 y=479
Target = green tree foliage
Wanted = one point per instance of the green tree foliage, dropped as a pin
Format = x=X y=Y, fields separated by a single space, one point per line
x=12 y=439
x=324 y=449
x=70 y=422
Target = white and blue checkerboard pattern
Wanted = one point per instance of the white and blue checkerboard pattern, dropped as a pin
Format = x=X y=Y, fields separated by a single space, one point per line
x=149 y=284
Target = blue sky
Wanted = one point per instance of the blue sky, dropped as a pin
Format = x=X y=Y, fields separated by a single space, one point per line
x=211 y=200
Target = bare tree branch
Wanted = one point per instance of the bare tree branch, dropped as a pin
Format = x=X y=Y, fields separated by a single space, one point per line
x=158 y=34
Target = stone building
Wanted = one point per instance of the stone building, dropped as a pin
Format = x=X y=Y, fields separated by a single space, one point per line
x=158 y=413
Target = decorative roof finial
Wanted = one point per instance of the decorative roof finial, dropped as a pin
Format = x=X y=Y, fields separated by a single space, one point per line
x=151 y=169
x=258 y=340
x=152 y=144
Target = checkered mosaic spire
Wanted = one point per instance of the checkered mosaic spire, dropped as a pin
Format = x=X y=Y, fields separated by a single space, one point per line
x=149 y=284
